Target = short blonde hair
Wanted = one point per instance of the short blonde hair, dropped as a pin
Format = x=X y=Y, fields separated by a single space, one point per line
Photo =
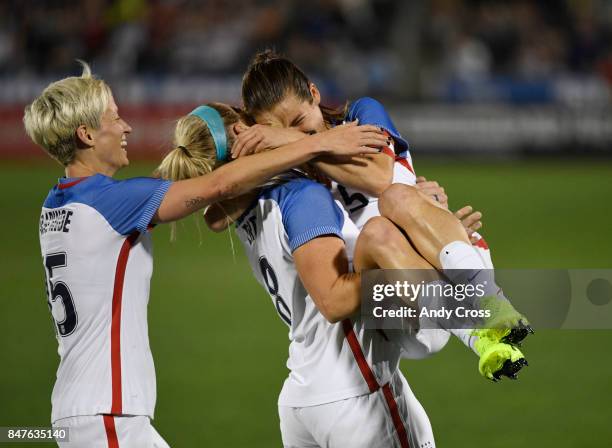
x=51 y=120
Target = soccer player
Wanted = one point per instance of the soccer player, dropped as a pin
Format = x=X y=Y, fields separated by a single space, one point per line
x=276 y=92
x=344 y=388
x=302 y=259
x=97 y=254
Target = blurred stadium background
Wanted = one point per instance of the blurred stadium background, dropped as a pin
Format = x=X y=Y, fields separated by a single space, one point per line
x=507 y=104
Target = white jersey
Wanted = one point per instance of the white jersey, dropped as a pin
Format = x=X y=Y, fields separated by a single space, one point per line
x=361 y=206
x=97 y=255
x=326 y=361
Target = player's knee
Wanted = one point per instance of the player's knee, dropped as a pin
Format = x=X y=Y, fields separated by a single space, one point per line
x=381 y=234
x=376 y=230
x=401 y=200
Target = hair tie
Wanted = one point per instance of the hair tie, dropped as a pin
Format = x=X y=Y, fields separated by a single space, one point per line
x=185 y=150
x=213 y=119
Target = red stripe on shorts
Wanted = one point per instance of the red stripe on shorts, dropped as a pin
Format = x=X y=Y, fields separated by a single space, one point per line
x=395 y=416
x=111 y=432
x=117 y=405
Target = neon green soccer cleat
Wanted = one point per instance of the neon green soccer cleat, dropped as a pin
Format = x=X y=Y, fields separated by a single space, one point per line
x=498 y=359
x=505 y=325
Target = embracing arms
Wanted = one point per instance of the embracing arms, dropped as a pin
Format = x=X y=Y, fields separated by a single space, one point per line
x=370 y=173
x=243 y=175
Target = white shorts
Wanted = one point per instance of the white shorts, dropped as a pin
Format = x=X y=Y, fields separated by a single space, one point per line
x=108 y=431
x=388 y=418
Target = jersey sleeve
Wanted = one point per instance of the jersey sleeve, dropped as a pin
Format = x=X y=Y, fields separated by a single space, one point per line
x=129 y=205
x=370 y=111
x=309 y=211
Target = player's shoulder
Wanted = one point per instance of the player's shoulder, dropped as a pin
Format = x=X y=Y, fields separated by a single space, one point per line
x=363 y=103
x=366 y=108
x=369 y=110
x=307 y=210
x=76 y=190
x=122 y=203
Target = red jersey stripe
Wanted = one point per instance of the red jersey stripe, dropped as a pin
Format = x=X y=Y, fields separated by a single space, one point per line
x=372 y=382
x=117 y=403
x=403 y=161
x=70 y=184
x=362 y=363
x=388 y=151
x=482 y=243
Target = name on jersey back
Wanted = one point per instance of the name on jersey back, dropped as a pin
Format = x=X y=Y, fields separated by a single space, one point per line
x=55 y=221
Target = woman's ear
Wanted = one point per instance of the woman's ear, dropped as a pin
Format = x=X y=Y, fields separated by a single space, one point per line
x=84 y=138
x=239 y=127
x=316 y=95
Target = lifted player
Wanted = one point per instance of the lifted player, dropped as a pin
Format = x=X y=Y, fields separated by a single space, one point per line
x=276 y=92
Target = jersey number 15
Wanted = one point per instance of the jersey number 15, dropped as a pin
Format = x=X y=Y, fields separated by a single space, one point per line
x=59 y=291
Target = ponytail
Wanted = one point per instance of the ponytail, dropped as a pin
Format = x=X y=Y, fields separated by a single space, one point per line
x=194 y=152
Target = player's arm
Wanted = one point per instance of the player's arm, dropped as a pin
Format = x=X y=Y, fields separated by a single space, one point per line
x=374 y=173
x=371 y=174
x=242 y=175
x=221 y=215
x=323 y=268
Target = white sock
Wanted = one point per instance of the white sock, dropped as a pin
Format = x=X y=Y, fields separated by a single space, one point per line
x=465 y=335
x=452 y=325
x=460 y=255
x=461 y=263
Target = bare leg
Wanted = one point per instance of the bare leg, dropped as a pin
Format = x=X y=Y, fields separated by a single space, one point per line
x=382 y=246
x=429 y=227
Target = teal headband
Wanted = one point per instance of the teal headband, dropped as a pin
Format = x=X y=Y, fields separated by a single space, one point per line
x=213 y=119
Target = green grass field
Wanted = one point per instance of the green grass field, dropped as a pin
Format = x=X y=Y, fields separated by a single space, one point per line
x=220 y=349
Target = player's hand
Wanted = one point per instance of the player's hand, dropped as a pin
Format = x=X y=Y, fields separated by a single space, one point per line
x=258 y=138
x=351 y=139
x=470 y=220
x=432 y=189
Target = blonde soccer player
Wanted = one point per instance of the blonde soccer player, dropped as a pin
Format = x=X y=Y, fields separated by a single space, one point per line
x=344 y=387
x=96 y=250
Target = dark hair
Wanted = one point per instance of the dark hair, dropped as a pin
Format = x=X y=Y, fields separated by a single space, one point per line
x=270 y=78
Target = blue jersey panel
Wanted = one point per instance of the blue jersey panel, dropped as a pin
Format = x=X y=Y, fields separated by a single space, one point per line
x=370 y=111
x=128 y=205
x=308 y=211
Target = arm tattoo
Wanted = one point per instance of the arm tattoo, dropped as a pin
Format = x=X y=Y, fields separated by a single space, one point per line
x=195 y=203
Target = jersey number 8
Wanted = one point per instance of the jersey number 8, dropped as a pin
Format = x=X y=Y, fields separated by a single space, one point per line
x=272 y=284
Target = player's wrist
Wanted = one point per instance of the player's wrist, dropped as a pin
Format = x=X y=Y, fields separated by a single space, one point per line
x=316 y=145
